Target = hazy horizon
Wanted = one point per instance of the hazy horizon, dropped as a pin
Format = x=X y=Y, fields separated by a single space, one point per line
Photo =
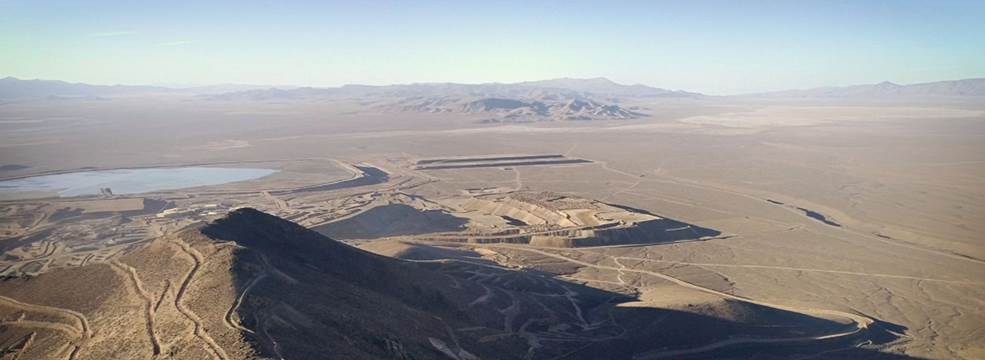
x=716 y=48
x=293 y=86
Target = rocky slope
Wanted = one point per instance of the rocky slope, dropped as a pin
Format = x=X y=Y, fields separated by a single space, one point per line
x=251 y=285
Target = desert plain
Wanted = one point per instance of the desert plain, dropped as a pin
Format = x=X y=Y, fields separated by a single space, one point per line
x=800 y=224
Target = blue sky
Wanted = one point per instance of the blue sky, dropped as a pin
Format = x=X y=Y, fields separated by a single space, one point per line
x=716 y=47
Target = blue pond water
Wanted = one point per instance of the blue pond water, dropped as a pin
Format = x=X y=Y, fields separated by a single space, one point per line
x=132 y=181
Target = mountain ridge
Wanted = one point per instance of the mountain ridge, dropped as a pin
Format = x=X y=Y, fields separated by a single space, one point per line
x=948 y=88
x=598 y=87
x=15 y=88
x=250 y=285
x=12 y=87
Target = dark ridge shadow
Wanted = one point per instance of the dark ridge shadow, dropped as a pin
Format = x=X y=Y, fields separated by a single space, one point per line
x=513 y=221
x=18 y=241
x=686 y=232
x=632 y=209
x=818 y=216
x=13 y=167
x=315 y=298
x=151 y=206
x=439 y=166
x=370 y=176
x=392 y=220
x=65 y=213
x=662 y=230
x=487 y=159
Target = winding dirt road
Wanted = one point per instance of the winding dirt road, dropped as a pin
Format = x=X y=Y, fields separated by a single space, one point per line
x=82 y=330
x=199 y=329
x=788 y=268
x=232 y=322
x=130 y=273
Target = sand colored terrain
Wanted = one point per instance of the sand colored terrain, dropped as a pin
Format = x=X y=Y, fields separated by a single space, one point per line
x=903 y=184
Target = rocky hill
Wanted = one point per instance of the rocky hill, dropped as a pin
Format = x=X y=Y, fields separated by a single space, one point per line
x=251 y=285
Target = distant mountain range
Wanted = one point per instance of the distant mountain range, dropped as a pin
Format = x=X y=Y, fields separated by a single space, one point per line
x=14 y=88
x=557 y=99
x=950 y=88
x=513 y=110
x=605 y=87
x=11 y=87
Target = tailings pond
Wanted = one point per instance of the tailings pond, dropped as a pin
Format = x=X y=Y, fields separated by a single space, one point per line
x=130 y=181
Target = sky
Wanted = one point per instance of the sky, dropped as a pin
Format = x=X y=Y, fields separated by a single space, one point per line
x=714 y=47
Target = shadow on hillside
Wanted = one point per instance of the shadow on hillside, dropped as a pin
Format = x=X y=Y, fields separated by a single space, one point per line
x=650 y=232
x=665 y=229
x=392 y=220
x=319 y=298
